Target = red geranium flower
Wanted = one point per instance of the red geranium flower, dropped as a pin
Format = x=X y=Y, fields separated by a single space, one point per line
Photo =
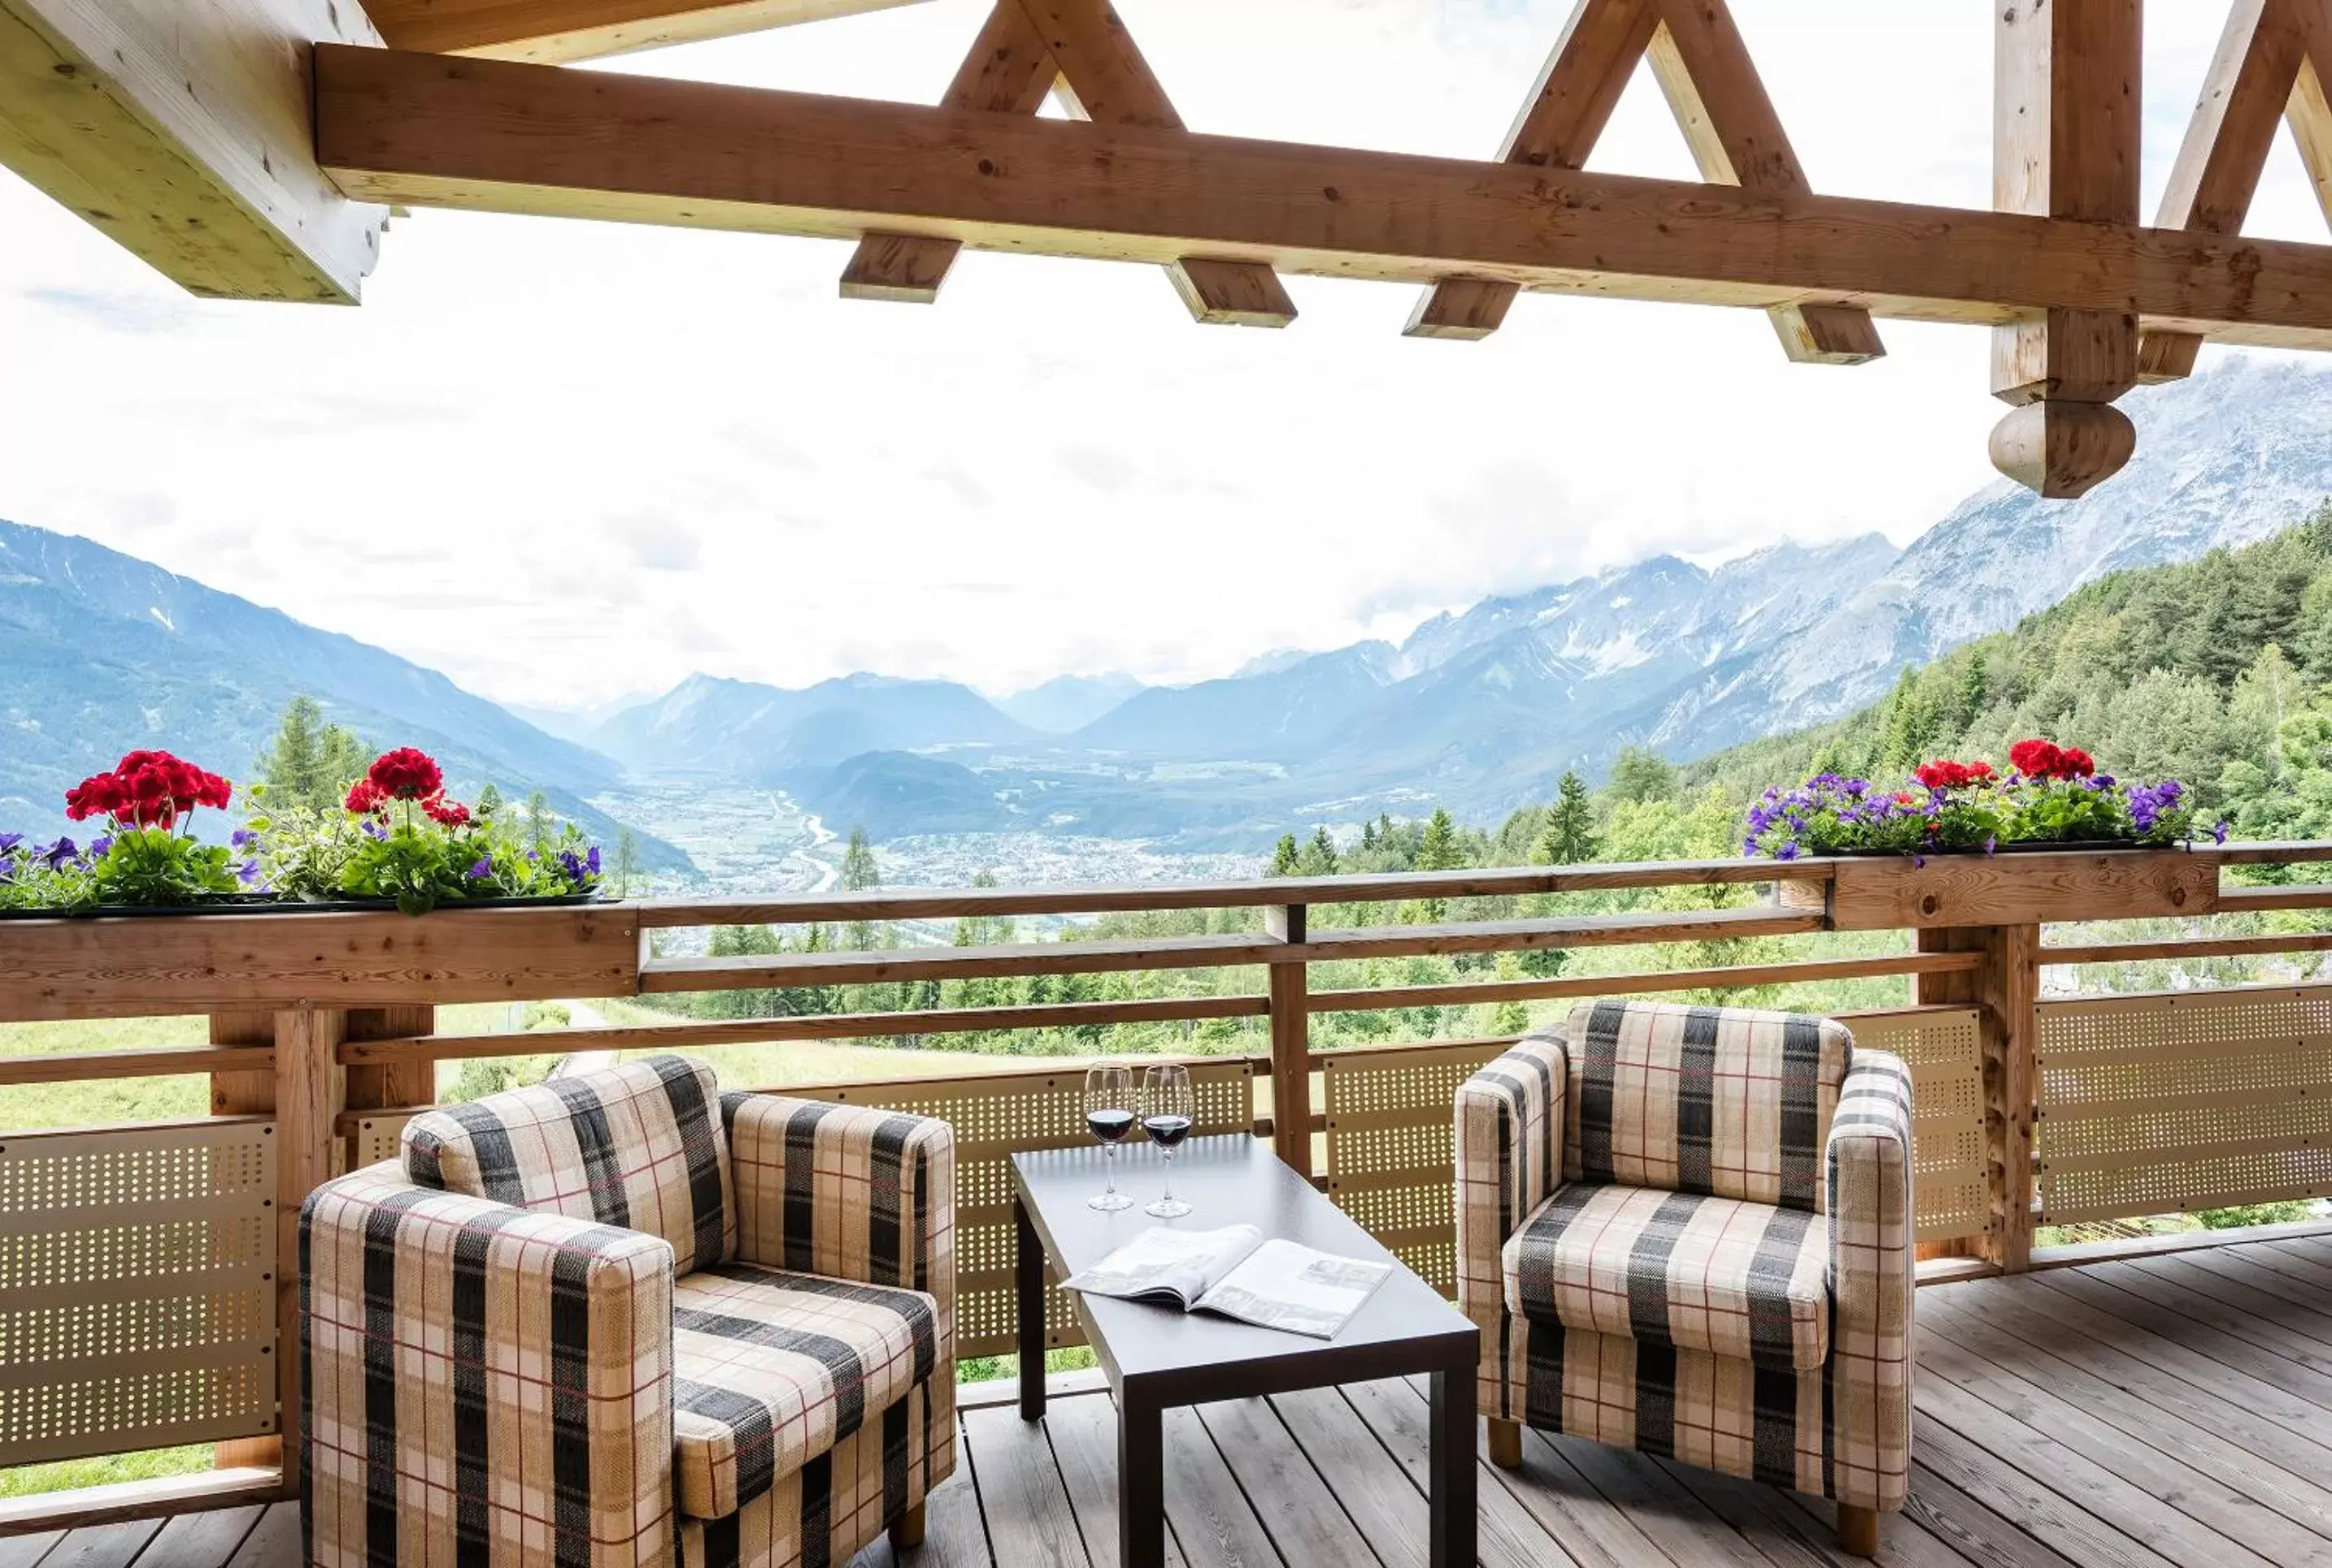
x=446 y=814
x=2076 y=763
x=2036 y=758
x=99 y=795
x=365 y=797
x=147 y=789
x=1943 y=773
x=406 y=774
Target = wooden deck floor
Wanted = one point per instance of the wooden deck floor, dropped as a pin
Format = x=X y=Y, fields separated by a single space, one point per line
x=2164 y=1413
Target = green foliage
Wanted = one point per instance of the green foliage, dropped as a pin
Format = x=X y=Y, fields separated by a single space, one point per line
x=2235 y=1219
x=310 y=763
x=1284 y=859
x=156 y=867
x=1570 y=836
x=2217 y=672
x=1639 y=775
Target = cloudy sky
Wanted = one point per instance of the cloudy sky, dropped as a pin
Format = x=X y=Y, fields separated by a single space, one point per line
x=566 y=462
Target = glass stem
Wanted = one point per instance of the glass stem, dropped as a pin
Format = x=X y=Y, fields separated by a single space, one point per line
x=1109 y=1166
x=1170 y=1176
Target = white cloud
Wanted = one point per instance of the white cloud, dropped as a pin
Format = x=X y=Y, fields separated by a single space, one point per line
x=563 y=461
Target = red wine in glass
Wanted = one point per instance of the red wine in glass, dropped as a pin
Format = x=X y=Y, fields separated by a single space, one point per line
x=1169 y=1110
x=1109 y=1116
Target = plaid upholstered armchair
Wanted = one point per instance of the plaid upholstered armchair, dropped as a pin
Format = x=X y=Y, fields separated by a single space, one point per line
x=1686 y=1231
x=620 y=1320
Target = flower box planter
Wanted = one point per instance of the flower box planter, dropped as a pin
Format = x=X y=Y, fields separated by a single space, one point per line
x=293 y=955
x=2037 y=884
x=267 y=904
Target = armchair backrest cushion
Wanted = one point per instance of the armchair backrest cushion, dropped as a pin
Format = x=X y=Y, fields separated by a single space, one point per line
x=1729 y=1102
x=638 y=1145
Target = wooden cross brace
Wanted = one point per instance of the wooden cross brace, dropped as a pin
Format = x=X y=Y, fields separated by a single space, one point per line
x=1736 y=139
x=1081 y=50
x=2273 y=62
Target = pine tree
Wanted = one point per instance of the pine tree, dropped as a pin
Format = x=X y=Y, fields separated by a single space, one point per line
x=1570 y=836
x=1283 y=859
x=310 y=763
x=1641 y=774
x=1319 y=857
x=1440 y=850
x=860 y=874
x=627 y=861
x=540 y=818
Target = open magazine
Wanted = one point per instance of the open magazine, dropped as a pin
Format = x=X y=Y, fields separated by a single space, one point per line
x=1272 y=1284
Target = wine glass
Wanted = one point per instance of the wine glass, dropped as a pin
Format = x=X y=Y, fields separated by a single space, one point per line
x=1168 y=1110
x=1109 y=1116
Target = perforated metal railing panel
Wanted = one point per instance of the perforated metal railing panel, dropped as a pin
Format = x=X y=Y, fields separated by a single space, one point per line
x=1944 y=1048
x=2175 y=1101
x=137 y=1288
x=1391 y=1142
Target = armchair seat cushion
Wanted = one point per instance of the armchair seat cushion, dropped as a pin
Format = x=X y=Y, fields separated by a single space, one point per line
x=1743 y=1281
x=773 y=1369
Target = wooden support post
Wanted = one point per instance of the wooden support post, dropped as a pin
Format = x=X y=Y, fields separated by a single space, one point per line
x=399 y=1083
x=1291 y=1043
x=2065 y=145
x=305 y=1095
x=2007 y=988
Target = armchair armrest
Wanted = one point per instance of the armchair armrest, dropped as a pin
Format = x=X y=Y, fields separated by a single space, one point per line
x=459 y=1355
x=1873 y=1280
x=1509 y=1160
x=847 y=1191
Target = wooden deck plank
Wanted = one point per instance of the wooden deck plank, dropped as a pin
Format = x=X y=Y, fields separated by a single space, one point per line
x=954 y=1537
x=2180 y=1469
x=1508 y=1535
x=2304 y=1302
x=1955 y=1520
x=1374 y=1491
x=1295 y=1506
x=2128 y=1509
x=1209 y=1514
x=2294 y=1263
x=1029 y=1522
x=1083 y=1432
x=2220 y=1307
x=2155 y=1313
x=105 y=1545
x=1794 y=1537
x=206 y=1540
x=27 y=1551
x=273 y=1542
x=2013 y=1493
x=1678 y=1523
x=2132 y=1392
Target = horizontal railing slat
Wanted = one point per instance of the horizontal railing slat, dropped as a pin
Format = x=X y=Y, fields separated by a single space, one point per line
x=936 y=904
x=1364 y=999
x=2187 y=947
x=1212 y=952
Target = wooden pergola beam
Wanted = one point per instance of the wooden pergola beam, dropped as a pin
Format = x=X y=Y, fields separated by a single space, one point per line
x=186 y=141
x=551 y=30
x=1080 y=51
x=1712 y=86
x=502 y=136
x=2065 y=146
x=2253 y=78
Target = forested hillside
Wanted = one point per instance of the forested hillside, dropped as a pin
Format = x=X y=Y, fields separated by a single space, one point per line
x=2217 y=672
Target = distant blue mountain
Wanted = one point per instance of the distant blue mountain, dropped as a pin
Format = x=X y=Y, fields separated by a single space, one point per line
x=1069 y=702
x=100 y=652
x=743 y=730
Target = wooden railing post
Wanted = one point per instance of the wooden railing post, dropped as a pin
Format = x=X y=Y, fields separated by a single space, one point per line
x=1291 y=1043
x=2007 y=987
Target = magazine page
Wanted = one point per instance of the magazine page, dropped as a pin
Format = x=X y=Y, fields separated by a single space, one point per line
x=1180 y=1264
x=1282 y=1285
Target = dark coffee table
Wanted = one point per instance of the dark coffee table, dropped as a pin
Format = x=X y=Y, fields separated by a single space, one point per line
x=1156 y=1358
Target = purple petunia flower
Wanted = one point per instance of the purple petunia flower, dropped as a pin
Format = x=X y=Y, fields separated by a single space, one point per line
x=242 y=838
x=2219 y=833
x=1991 y=843
x=57 y=854
x=373 y=830
x=247 y=873
x=483 y=870
x=1788 y=851
x=99 y=847
x=592 y=859
x=9 y=841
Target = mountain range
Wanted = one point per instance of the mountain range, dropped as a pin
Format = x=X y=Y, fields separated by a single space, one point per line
x=1479 y=709
x=100 y=651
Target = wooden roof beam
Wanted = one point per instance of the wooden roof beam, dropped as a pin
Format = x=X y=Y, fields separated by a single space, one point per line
x=552 y=30
x=2065 y=146
x=182 y=133
x=1704 y=68
x=2253 y=78
x=500 y=136
x=1736 y=139
x=1081 y=49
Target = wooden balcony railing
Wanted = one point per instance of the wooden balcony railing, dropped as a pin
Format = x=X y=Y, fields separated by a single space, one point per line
x=148 y=1272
